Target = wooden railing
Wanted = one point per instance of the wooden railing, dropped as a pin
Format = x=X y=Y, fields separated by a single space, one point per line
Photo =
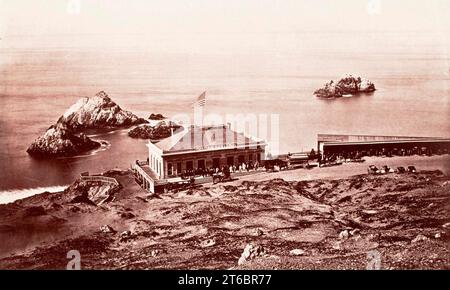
x=98 y=178
x=137 y=169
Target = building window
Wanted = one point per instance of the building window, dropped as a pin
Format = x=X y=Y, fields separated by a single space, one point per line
x=250 y=157
x=179 y=168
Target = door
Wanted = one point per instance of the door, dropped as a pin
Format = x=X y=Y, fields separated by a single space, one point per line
x=189 y=165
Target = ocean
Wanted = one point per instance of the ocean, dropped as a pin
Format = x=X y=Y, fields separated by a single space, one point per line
x=273 y=73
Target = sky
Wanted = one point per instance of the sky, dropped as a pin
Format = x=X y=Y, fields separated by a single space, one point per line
x=112 y=17
x=221 y=26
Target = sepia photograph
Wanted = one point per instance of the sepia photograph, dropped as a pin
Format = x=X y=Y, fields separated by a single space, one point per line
x=224 y=135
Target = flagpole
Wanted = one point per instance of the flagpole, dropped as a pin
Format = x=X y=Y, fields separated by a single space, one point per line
x=198 y=113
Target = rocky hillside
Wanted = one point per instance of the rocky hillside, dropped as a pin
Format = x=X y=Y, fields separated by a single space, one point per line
x=59 y=141
x=98 y=112
x=348 y=85
x=404 y=219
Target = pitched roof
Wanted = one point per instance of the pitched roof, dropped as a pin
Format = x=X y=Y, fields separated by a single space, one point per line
x=367 y=138
x=195 y=138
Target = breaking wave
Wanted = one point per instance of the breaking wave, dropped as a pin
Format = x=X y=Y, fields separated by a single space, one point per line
x=12 y=195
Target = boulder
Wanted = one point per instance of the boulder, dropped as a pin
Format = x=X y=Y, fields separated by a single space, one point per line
x=207 y=243
x=259 y=232
x=354 y=232
x=125 y=236
x=90 y=192
x=250 y=252
x=419 y=238
x=107 y=229
x=155 y=253
x=344 y=235
x=296 y=252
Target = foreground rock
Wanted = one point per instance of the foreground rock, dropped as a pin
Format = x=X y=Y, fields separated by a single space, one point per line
x=160 y=131
x=250 y=252
x=98 y=112
x=91 y=192
x=297 y=252
x=346 y=86
x=59 y=141
x=107 y=229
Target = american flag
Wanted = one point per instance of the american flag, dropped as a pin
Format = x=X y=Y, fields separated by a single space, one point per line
x=201 y=100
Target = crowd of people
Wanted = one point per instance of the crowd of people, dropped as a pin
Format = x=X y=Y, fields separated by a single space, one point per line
x=205 y=172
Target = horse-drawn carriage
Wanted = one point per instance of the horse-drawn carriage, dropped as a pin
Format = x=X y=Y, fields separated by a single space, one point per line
x=276 y=165
x=221 y=176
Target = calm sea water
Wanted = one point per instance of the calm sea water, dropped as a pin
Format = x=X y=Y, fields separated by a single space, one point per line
x=268 y=74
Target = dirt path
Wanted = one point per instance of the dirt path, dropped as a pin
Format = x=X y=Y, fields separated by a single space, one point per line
x=441 y=163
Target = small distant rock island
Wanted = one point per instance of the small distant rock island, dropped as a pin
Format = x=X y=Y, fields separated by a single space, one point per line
x=348 y=85
x=65 y=138
x=161 y=130
x=156 y=117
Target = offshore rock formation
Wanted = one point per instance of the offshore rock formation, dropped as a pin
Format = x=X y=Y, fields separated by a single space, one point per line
x=98 y=112
x=59 y=141
x=156 y=117
x=64 y=139
x=348 y=85
x=160 y=131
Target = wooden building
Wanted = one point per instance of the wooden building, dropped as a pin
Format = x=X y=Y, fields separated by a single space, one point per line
x=202 y=148
x=354 y=146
